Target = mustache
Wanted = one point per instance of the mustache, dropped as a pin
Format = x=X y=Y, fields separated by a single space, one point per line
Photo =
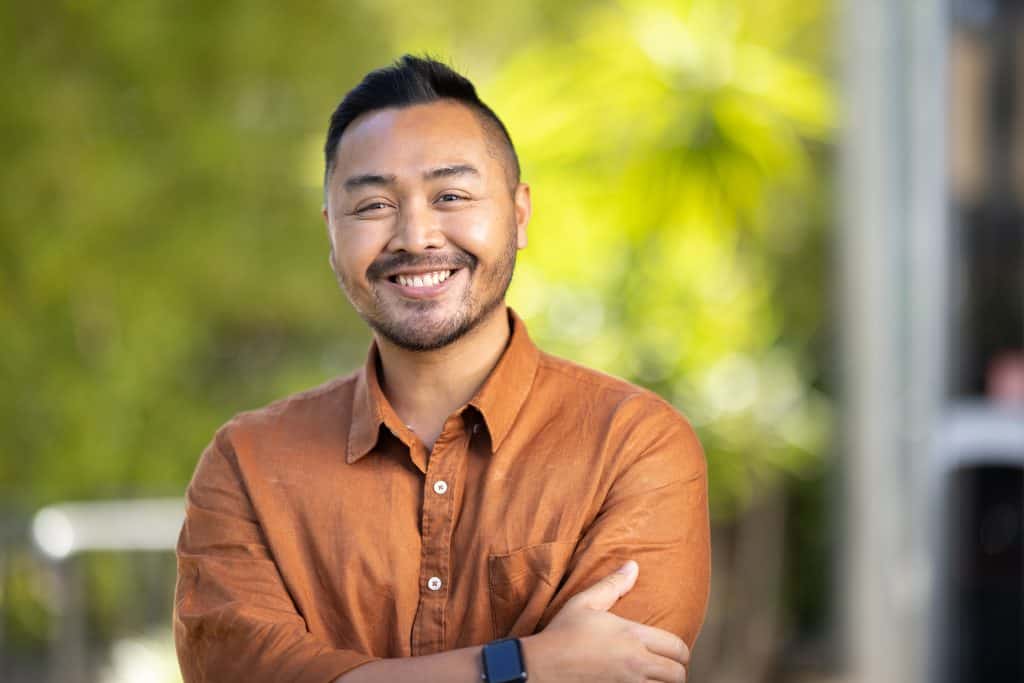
x=403 y=260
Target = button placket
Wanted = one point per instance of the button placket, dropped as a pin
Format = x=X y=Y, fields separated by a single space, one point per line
x=437 y=527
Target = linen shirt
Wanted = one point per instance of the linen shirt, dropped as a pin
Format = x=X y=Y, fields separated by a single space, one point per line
x=320 y=533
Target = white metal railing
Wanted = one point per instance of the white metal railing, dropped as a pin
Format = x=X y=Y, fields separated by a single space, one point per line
x=60 y=531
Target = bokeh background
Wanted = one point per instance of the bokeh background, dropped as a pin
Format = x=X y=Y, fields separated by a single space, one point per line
x=720 y=215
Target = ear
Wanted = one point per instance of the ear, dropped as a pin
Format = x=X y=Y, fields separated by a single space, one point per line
x=327 y=223
x=523 y=209
x=330 y=238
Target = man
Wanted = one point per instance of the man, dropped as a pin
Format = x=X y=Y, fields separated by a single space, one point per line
x=455 y=510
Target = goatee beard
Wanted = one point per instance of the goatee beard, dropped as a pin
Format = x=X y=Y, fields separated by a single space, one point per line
x=406 y=337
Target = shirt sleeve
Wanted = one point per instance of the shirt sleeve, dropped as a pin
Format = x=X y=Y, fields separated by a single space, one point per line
x=655 y=512
x=234 y=619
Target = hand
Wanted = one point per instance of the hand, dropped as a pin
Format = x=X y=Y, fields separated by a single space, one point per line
x=585 y=643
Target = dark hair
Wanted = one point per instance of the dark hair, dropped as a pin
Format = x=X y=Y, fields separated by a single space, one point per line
x=412 y=80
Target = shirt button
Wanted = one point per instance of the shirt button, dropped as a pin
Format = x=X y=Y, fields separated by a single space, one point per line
x=440 y=487
x=434 y=583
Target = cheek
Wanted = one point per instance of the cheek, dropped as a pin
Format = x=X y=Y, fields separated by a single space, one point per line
x=480 y=233
x=355 y=248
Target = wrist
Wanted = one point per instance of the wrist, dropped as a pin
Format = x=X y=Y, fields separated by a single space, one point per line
x=538 y=654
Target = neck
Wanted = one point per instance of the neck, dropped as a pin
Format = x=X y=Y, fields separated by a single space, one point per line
x=425 y=387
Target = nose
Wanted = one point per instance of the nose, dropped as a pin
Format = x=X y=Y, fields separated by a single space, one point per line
x=417 y=229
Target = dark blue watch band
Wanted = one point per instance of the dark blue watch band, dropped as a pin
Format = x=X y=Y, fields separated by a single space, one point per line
x=503 y=661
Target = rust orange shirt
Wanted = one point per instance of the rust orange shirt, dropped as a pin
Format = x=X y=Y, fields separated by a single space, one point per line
x=320 y=533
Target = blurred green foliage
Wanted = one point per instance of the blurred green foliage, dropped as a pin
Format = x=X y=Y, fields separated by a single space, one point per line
x=676 y=155
x=163 y=263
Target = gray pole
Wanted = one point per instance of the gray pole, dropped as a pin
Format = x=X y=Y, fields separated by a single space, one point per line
x=892 y=288
x=69 y=655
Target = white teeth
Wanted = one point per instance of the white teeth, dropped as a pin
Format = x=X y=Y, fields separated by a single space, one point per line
x=424 y=280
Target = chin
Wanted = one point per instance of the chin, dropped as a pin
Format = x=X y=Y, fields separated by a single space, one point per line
x=422 y=340
x=426 y=332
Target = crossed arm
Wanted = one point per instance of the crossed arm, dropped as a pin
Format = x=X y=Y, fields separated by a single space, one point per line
x=234 y=619
x=583 y=643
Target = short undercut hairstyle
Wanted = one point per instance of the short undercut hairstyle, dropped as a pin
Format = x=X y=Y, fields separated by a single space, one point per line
x=417 y=80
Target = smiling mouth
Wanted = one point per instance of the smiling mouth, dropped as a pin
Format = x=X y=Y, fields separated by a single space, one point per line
x=422 y=280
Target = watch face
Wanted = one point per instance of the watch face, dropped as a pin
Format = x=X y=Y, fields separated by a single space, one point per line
x=503 y=661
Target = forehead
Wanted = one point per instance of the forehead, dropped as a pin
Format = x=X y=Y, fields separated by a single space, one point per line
x=410 y=139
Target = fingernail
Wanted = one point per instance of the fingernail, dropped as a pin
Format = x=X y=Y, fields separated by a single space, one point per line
x=624 y=569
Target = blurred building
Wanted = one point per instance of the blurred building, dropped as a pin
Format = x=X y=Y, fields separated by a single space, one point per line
x=932 y=249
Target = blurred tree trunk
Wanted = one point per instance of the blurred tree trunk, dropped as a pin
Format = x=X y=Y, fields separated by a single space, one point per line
x=743 y=631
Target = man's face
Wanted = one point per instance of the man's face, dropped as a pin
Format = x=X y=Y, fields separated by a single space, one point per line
x=423 y=224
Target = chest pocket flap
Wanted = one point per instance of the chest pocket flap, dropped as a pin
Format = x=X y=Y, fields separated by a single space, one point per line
x=522 y=584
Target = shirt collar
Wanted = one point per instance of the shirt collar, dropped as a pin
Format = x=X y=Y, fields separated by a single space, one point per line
x=498 y=400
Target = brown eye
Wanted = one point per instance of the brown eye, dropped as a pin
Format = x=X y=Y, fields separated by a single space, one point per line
x=372 y=206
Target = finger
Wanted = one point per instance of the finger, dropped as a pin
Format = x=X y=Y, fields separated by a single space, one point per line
x=662 y=642
x=603 y=594
x=664 y=670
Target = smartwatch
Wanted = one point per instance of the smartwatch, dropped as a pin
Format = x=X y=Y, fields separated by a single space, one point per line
x=503 y=661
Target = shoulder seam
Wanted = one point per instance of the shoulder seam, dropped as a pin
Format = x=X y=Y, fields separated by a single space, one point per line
x=566 y=367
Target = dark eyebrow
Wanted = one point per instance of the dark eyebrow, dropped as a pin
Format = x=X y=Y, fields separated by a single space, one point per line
x=365 y=179
x=448 y=171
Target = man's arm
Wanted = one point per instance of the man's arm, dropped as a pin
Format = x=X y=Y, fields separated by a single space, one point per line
x=583 y=644
x=655 y=512
x=233 y=617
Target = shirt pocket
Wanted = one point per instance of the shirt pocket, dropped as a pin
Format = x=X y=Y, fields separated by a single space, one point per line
x=522 y=584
